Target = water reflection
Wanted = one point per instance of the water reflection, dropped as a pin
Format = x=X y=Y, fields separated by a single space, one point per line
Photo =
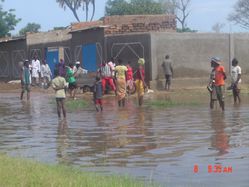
x=149 y=143
x=220 y=139
x=62 y=142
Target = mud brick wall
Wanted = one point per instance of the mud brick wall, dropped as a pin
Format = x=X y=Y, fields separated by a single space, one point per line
x=139 y=23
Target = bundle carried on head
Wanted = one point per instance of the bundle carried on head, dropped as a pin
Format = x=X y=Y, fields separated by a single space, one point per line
x=141 y=61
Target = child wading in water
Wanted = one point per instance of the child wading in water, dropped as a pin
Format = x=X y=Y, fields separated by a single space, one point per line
x=59 y=84
x=97 y=94
x=25 y=80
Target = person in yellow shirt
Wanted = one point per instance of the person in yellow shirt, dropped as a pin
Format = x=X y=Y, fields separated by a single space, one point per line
x=120 y=75
x=59 y=84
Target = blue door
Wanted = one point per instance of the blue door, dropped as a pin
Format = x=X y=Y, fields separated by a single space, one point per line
x=89 y=57
x=52 y=58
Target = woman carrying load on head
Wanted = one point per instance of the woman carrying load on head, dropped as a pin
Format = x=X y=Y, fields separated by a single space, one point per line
x=120 y=74
x=140 y=83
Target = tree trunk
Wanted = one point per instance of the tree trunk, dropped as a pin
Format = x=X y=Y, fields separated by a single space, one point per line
x=93 y=12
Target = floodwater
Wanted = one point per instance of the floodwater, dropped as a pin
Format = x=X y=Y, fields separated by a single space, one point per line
x=172 y=147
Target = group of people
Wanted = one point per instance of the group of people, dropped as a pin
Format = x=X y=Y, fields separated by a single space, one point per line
x=118 y=77
x=216 y=84
x=33 y=73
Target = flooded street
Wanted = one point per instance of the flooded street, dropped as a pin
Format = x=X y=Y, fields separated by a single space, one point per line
x=179 y=146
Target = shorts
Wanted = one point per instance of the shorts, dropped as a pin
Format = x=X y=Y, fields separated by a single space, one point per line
x=60 y=99
x=26 y=87
x=98 y=101
x=220 y=92
x=72 y=86
x=168 y=77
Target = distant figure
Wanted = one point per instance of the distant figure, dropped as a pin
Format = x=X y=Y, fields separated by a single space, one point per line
x=46 y=74
x=59 y=84
x=140 y=81
x=236 y=79
x=112 y=65
x=106 y=75
x=168 y=72
x=78 y=71
x=25 y=80
x=211 y=88
x=129 y=76
x=36 y=70
x=62 y=68
x=120 y=74
x=219 y=80
x=72 y=81
x=97 y=94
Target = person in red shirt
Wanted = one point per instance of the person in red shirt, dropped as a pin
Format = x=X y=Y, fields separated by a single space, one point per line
x=219 y=80
x=129 y=77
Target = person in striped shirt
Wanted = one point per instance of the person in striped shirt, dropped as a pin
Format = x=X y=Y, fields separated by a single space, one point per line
x=107 y=77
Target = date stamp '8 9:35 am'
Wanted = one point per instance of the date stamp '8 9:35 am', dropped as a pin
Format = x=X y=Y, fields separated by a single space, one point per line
x=217 y=168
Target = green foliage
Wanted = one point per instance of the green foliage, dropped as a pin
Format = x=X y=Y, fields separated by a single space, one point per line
x=185 y=30
x=8 y=21
x=73 y=105
x=59 y=28
x=19 y=172
x=30 y=27
x=133 y=7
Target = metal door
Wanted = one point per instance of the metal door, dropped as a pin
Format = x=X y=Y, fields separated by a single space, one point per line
x=52 y=58
x=89 y=56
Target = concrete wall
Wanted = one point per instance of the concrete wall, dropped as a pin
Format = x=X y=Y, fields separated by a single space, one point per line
x=11 y=53
x=129 y=48
x=38 y=43
x=241 y=50
x=190 y=52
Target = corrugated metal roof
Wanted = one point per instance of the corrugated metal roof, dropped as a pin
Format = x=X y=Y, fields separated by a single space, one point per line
x=81 y=26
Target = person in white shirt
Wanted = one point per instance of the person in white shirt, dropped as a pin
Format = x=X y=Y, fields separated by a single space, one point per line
x=236 y=80
x=36 y=70
x=46 y=74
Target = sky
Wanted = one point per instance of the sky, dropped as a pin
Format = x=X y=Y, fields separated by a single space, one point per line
x=203 y=14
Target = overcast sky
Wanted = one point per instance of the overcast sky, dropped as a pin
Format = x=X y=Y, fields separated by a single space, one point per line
x=204 y=14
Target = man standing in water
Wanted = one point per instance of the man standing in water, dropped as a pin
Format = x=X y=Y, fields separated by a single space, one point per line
x=235 y=80
x=25 y=79
x=59 y=84
x=219 y=80
x=168 y=72
x=36 y=70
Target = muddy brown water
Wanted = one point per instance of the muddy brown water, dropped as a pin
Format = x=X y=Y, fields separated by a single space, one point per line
x=150 y=144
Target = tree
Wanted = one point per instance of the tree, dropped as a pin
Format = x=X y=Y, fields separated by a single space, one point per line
x=132 y=7
x=217 y=27
x=74 y=5
x=8 y=21
x=240 y=15
x=30 y=27
x=180 y=8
